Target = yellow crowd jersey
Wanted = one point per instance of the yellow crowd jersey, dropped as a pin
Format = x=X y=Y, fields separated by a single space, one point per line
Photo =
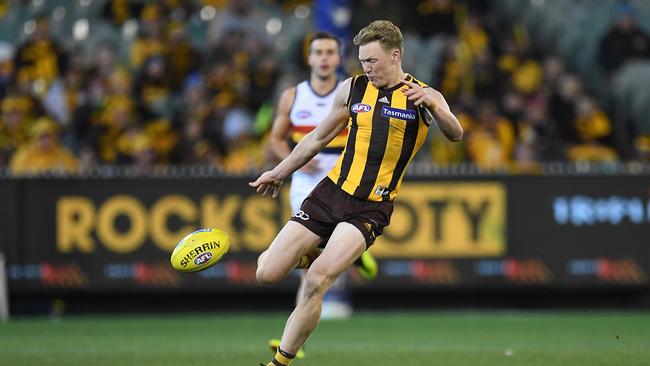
x=385 y=131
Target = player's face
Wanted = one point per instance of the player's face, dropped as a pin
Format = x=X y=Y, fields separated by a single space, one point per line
x=377 y=63
x=324 y=57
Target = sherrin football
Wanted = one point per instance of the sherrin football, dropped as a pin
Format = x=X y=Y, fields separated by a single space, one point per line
x=200 y=250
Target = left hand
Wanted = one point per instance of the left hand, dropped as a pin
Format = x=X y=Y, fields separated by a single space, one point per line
x=267 y=183
x=418 y=94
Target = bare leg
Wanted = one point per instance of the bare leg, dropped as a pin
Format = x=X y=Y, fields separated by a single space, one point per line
x=345 y=245
x=291 y=243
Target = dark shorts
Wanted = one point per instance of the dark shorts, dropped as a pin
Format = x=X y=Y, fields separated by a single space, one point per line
x=328 y=205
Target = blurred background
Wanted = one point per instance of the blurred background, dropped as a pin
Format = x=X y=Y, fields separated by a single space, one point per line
x=124 y=125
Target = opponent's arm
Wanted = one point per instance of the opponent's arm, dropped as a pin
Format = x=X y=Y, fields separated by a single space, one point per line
x=310 y=145
x=436 y=104
x=282 y=125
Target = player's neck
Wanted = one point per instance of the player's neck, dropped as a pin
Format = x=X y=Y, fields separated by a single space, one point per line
x=396 y=78
x=323 y=86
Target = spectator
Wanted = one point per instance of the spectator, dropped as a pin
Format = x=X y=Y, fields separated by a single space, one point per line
x=591 y=122
x=365 y=11
x=15 y=120
x=43 y=153
x=533 y=128
x=41 y=57
x=188 y=117
x=119 y=11
x=150 y=42
x=104 y=62
x=642 y=147
x=6 y=67
x=241 y=17
x=153 y=90
x=434 y=17
x=594 y=131
x=181 y=56
x=562 y=110
x=134 y=148
x=110 y=124
x=172 y=105
x=491 y=140
x=624 y=41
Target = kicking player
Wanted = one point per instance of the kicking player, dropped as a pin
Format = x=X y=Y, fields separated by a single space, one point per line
x=300 y=109
x=388 y=113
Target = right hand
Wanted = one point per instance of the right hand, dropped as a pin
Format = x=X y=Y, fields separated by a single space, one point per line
x=267 y=183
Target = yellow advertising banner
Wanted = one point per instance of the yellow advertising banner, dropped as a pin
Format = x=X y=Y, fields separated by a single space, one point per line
x=429 y=220
x=451 y=219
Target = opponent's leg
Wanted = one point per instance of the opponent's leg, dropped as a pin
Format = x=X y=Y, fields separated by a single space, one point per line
x=366 y=265
x=345 y=245
x=285 y=252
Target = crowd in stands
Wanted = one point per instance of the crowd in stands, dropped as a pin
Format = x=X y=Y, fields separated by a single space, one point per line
x=163 y=99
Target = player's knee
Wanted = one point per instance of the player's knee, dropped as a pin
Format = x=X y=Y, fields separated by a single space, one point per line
x=266 y=275
x=260 y=259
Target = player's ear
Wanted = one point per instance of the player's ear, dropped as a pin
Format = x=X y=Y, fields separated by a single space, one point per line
x=396 y=56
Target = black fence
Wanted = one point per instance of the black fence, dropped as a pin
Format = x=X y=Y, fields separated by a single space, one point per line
x=114 y=235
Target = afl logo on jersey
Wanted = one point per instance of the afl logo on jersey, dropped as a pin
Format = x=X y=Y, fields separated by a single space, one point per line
x=360 y=108
x=303 y=114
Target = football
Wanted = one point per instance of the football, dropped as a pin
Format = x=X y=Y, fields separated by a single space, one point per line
x=200 y=250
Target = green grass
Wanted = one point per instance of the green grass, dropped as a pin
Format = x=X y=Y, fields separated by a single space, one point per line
x=436 y=338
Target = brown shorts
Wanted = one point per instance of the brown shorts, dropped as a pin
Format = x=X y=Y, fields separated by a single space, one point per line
x=328 y=205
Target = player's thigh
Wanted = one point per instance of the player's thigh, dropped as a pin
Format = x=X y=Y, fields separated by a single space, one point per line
x=291 y=243
x=344 y=247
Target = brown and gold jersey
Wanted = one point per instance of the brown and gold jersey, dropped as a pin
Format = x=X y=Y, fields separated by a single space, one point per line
x=385 y=131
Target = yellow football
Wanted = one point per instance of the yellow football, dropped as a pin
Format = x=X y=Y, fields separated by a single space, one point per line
x=200 y=250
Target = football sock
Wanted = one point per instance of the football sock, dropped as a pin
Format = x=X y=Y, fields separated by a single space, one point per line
x=282 y=358
x=304 y=262
x=309 y=258
x=274 y=344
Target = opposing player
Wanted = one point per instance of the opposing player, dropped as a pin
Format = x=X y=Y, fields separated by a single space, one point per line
x=388 y=113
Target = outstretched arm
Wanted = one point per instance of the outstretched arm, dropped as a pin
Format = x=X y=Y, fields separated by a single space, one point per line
x=282 y=124
x=436 y=104
x=309 y=146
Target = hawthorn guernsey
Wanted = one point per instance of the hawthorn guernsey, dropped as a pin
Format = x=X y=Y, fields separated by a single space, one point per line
x=200 y=250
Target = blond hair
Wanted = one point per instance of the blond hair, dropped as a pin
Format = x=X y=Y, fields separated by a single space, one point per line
x=387 y=33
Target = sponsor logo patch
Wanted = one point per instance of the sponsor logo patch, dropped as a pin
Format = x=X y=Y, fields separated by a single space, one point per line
x=302 y=215
x=303 y=114
x=404 y=114
x=382 y=191
x=361 y=108
x=202 y=258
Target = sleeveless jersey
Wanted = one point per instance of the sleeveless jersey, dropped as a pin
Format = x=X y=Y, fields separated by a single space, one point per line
x=307 y=111
x=386 y=130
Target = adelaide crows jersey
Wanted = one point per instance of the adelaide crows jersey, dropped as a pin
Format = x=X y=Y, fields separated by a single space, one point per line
x=307 y=111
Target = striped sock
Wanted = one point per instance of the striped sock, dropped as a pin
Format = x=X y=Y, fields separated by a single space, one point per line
x=282 y=358
x=304 y=262
x=309 y=258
